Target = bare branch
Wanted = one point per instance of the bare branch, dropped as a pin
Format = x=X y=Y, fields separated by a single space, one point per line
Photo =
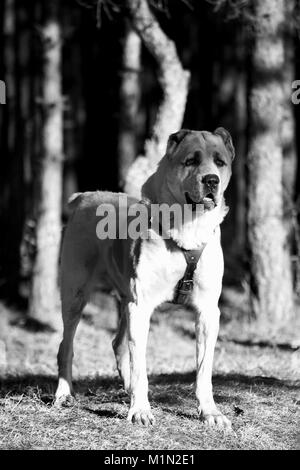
x=174 y=83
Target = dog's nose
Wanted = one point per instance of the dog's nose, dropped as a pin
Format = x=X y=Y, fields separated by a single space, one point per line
x=211 y=181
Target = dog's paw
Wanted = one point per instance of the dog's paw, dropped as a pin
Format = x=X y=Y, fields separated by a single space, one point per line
x=66 y=401
x=140 y=416
x=215 y=418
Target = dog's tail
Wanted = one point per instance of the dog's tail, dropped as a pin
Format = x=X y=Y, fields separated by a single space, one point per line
x=73 y=201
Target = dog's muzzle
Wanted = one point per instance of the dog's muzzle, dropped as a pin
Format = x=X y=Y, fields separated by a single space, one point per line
x=210 y=187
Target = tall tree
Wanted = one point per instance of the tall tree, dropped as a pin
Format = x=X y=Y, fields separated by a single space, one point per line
x=288 y=128
x=289 y=144
x=271 y=280
x=12 y=172
x=129 y=101
x=44 y=294
x=174 y=82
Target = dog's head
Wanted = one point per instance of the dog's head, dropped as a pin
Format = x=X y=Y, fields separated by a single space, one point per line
x=199 y=166
x=194 y=174
x=196 y=169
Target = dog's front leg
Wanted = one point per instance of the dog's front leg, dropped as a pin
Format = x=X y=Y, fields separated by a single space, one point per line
x=207 y=327
x=138 y=327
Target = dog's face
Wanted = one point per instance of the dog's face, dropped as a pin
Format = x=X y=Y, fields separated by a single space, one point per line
x=198 y=166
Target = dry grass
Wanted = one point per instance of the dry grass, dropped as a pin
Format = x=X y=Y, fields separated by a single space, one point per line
x=257 y=387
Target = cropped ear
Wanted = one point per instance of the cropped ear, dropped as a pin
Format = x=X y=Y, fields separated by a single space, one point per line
x=226 y=137
x=175 y=139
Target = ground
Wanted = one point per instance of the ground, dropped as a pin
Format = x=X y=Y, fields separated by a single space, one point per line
x=256 y=384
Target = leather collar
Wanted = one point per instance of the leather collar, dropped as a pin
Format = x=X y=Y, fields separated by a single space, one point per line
x=185 y=286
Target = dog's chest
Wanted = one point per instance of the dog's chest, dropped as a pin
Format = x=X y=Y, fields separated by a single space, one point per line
x=159 y=271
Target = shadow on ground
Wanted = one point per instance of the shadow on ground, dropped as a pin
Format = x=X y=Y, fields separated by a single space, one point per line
x=87 y=387
x=263 y=411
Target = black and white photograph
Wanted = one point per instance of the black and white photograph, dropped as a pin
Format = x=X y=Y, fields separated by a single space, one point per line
x=149 y=227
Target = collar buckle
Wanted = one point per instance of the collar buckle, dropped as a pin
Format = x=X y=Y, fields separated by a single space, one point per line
x=185 y=286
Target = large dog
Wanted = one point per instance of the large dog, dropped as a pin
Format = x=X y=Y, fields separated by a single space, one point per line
x=145 y=272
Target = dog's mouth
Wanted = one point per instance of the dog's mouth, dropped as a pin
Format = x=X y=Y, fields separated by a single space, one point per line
x=208 y=201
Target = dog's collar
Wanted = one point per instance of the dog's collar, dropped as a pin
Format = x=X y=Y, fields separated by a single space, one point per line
x=185 y=286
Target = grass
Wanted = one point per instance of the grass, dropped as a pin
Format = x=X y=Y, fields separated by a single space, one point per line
x=255 y=384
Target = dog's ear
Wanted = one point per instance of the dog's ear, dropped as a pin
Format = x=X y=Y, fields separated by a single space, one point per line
x=226 y=137
x=175 y=139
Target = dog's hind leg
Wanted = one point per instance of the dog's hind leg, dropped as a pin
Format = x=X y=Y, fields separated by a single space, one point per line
x=120 y=346
x=72 y=306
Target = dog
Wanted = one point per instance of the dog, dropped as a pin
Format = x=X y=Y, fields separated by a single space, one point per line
x=146 y=271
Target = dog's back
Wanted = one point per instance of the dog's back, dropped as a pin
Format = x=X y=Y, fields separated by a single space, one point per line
x=85 y=259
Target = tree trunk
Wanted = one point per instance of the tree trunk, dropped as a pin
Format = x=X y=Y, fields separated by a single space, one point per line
x=289 y=143
x=174 y=83
x=270 y=267
x=288 y=127
x=240 y=110
x=44 y=295
x=31 y=87
x=297 y=184
x=12 y=171
x=10 y=70
x=129 y=102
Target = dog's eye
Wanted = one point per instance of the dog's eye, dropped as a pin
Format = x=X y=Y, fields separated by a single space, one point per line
x=219 y=162
x=189 y=162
